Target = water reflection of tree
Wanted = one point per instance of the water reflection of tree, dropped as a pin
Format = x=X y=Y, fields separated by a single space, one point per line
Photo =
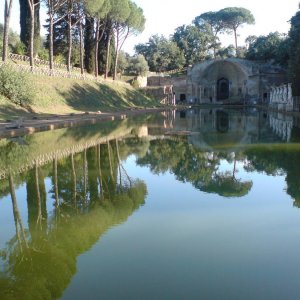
x=36 y=199
x=88 y=200
x=190 y=164
x=225 y=183
x=279 y=160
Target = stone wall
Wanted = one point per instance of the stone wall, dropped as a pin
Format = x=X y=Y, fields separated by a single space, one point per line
x=159 y=81
x=179 y=86
x=224 y=81
x=232 y=80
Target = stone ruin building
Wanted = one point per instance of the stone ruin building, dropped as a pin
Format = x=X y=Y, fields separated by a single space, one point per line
x=232 y=80
x=227 y=81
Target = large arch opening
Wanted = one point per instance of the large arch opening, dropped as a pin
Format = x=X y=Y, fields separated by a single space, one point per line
x=222 y=121
x=222 y=89
x=221 y=81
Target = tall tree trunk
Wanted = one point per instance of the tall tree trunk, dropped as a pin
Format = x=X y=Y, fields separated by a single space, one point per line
x=31 y=45
x=7 y=12
x=107 y=54
x=235 y=38
x=96 y=70
x=25 y=22
x=88 y=45
x=69 y=42
x=81 y=48
x=37 y=28
x=51 y=60
x=116 y=65
x=116 y=60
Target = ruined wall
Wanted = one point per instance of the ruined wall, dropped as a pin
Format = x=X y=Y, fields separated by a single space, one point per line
x=223 y=81
x=243 y=81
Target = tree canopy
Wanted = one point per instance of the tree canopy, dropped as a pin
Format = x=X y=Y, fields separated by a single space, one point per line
x=274 y=47
x=194 y=42
x=233 y=18
x=294 y=51
x=161 y=54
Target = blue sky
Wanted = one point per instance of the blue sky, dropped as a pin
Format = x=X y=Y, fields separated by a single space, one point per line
x=163 y=16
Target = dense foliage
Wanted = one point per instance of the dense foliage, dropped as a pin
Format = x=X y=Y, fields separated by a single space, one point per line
x=91 y=33
x=294 y=62
x=274 y=47
x=14 y=85
x=196 y=42
x=161 y=54
x=14 y=45
x=85 y=33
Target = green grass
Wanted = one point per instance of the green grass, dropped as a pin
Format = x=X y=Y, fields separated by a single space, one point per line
x=54 y=95
x=9 y=110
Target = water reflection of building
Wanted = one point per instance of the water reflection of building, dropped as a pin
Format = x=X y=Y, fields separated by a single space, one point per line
x=282 y=125
x=212 y=128
x=218 y=127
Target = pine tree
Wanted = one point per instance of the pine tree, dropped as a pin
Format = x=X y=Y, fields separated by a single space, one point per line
x=25 y=24
x=294 y=62
x=89 y=44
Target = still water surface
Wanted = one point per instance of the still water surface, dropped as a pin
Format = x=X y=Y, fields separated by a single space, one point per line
x=198 y=204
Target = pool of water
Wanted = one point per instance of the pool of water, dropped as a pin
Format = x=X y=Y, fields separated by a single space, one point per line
x=196 y=204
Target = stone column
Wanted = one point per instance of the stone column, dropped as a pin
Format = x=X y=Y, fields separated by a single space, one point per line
x=200 y=94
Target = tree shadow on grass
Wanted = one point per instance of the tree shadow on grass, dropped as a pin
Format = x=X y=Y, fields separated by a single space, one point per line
x=139 y=99
x=93 y=98
x=102 y=96
x=11 y=112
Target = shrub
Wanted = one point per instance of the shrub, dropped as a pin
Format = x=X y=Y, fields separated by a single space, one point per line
x=135 y=84
x=60 y=59
x=43 y=54
x=14 y=85
x=19 y=48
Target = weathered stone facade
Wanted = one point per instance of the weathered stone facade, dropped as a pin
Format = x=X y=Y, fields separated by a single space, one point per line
x=223 y=81
x=232 y=80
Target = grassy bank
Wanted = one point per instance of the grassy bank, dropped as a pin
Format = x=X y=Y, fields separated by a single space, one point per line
x=8 y=110
x=53 y=95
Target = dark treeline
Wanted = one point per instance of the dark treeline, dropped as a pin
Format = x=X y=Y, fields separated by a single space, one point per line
x=83 y=33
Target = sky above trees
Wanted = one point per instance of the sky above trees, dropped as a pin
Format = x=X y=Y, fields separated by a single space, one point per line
x=164 y=16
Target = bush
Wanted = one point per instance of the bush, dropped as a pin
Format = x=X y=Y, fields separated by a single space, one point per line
x=60 y=59
x=43 y=54
x=14 y=85
x=19 y=48
x=135 y=84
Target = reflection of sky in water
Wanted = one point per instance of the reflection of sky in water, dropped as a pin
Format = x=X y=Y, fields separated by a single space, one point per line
x=183 y=243
x=186 y=244
x=6 y=214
